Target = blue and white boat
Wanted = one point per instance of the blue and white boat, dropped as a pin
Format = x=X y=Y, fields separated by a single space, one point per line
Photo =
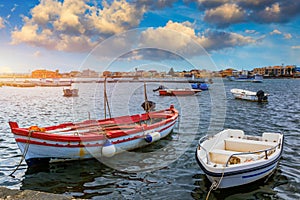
x=257 y=78
x=231 y=158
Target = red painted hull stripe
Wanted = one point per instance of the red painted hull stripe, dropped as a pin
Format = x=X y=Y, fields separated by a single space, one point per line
x=93 y=135
x=136 y=137
x=23 y=140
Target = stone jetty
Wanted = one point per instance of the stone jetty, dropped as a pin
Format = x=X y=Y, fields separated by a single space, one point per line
x=12 y=194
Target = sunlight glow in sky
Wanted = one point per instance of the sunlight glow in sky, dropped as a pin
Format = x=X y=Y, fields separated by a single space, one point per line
x=68 y=34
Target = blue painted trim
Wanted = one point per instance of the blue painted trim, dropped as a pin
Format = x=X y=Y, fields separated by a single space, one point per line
x=260 y=173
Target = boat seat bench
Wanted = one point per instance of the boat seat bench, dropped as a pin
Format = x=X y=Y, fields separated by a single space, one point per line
x=236 y=146
x=243 y=145
x=221 y=156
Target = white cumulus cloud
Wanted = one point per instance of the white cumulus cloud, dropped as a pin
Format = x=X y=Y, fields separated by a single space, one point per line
x=288 y=36
x=276 y=32
x=181 y=37
x=225 y=15
x=75 y=25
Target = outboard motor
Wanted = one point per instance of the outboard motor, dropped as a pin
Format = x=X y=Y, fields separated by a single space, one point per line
x=148 y=106
x=261 y=96
x=161 y=87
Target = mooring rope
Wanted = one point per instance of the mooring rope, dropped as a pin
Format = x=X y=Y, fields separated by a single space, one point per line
x=212 y=187
x=24 y=153
x=215 y=185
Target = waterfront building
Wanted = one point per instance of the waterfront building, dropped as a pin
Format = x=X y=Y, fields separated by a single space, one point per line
x=42 y=73
x=228 y=72
x=276 y=71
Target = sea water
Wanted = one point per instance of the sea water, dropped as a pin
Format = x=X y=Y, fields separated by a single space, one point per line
x=167 y=168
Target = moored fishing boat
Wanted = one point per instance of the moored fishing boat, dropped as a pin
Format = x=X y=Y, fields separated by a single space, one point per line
x=259 y=96
x=93 y=138
x=178 y=92
x=231 y=158
x=257 y=78
x=68 y=92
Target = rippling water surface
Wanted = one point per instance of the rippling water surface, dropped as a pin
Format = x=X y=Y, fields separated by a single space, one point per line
x=170 y=170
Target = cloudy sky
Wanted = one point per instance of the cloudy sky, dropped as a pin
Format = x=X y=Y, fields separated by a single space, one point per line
x=122 y=35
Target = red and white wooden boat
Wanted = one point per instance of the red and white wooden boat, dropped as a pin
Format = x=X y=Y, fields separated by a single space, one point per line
x=178 y=92
x=93 y=138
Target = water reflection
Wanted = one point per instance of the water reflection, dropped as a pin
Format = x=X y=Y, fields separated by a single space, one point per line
x=261 y=189
x=66 y=177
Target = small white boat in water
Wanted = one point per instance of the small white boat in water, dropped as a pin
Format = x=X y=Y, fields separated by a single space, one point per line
x=231 y=158
x=258 y=78
x=259 y=96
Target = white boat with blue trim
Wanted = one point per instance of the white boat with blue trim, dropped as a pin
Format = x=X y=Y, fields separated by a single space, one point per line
x=231 y=158
x=257 y=78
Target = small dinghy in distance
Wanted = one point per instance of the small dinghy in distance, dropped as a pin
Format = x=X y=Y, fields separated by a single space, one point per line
x=70 y=92
x=178 y=92
x=163 y=91
x=231 y=158
x=259 y=96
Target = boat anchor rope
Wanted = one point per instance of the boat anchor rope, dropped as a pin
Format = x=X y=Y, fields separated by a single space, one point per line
x=216 y=183
x=24 y=153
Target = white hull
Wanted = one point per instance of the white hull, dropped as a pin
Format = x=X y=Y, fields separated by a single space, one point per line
x=86 y=150
x=231 y=158
x=256 y=79
x=243 y=178
x=246 y=95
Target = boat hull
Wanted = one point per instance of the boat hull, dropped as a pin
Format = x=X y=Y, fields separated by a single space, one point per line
x=257 y=157
x=248 y=95
x=239 y=177
x=76 y=151
x=70 y=92
x=256 y=79
x=178 y=92
x=60 y=143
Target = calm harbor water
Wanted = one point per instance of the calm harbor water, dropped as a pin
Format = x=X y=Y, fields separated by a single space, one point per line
x=171 y=174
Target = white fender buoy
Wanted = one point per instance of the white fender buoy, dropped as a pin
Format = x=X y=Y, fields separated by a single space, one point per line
x=152 y=137
x=108 y=149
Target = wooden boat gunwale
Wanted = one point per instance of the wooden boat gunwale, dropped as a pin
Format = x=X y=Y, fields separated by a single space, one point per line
x=137 y=118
